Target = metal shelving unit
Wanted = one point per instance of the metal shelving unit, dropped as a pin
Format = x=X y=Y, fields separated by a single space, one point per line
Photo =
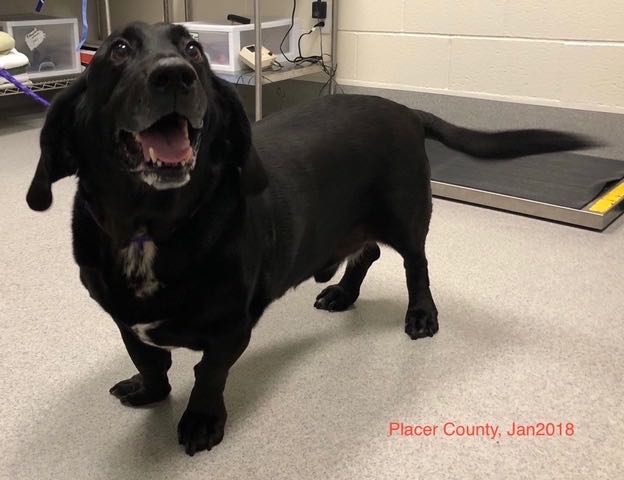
x=288 y=72
x=180 y=10
x=40 y=86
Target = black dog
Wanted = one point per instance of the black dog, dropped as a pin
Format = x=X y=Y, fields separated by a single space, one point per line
x=185 y=230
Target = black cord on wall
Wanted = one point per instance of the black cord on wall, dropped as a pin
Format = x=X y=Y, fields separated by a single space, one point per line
x=312 y=59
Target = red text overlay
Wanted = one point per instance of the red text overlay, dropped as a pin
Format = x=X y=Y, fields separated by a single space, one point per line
x=487 y=430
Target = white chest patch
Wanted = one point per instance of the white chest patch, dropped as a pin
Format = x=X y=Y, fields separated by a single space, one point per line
x=138 y=267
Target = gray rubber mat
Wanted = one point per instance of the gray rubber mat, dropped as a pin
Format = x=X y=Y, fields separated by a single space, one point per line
x=564 y=179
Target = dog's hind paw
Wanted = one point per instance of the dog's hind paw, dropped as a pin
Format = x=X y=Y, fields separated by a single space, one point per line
x=136 y=391
x=335 y=299
x=421 y=323
x=199 y=431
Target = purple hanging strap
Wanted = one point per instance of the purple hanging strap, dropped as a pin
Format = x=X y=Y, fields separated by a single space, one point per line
x=23 y=88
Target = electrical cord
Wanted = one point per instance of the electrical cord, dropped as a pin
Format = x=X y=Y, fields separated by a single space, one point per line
x=299 y=42
x=292 y=24
x=300 y=58
x=250 y=77
x=329 y=71
x=313 y=59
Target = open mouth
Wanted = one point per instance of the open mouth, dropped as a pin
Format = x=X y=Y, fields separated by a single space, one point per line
x=164 y=154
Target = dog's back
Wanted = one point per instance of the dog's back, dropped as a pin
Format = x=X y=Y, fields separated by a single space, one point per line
x=348 y=170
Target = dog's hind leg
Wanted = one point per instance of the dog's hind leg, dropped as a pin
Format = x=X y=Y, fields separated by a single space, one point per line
x=341 y=296
x=421 y=319
x=404 y=227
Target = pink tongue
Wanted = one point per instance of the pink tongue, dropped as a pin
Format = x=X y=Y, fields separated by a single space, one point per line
x=171 y=146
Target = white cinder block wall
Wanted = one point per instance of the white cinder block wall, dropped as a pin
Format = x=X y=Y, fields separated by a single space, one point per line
x=567 y=53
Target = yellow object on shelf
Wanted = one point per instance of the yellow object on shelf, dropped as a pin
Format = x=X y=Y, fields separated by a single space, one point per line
x=7 y=43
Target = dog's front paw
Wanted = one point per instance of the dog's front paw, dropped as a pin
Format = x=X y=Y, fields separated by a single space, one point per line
x=200 y=431
x=335 y=299
x=420 y=323
x=136 y=391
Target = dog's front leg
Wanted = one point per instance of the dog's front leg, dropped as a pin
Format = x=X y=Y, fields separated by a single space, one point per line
x=151 y=383
x=202 y=424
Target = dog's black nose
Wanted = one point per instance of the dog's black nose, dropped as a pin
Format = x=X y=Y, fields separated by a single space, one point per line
x=172 y=74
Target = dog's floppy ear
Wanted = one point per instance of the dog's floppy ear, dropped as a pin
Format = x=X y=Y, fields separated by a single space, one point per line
x=238 y=132
x=56 y=160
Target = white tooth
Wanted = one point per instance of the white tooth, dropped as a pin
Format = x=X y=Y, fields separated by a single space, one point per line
x=152 y=154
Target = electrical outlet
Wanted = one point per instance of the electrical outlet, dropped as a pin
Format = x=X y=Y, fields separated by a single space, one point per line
x=319 y=10
x=327 y=10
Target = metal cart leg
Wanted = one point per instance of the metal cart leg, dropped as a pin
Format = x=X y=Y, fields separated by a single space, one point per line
x=176 y=11
x=334 y=45
x=258 y=30
x=166 y=12
x=104 y=30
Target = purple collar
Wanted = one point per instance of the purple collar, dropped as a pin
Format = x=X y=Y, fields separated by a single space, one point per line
x=141 y=239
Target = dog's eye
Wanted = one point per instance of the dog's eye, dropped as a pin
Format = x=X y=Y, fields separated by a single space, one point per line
x=193 y=50
x=120 y=51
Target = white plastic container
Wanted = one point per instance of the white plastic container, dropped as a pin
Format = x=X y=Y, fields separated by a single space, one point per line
x=222 y=42
x=49 y=43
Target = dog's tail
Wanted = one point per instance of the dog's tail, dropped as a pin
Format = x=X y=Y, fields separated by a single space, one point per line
x=502 y=144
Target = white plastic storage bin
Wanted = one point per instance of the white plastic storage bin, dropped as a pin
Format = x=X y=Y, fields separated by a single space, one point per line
x=48 y=42
x=222 y=42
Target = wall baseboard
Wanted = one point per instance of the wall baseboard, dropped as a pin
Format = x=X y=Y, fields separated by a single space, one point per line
x=542 y=102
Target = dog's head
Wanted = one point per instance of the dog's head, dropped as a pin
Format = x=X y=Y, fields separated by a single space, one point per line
x=146 y=113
